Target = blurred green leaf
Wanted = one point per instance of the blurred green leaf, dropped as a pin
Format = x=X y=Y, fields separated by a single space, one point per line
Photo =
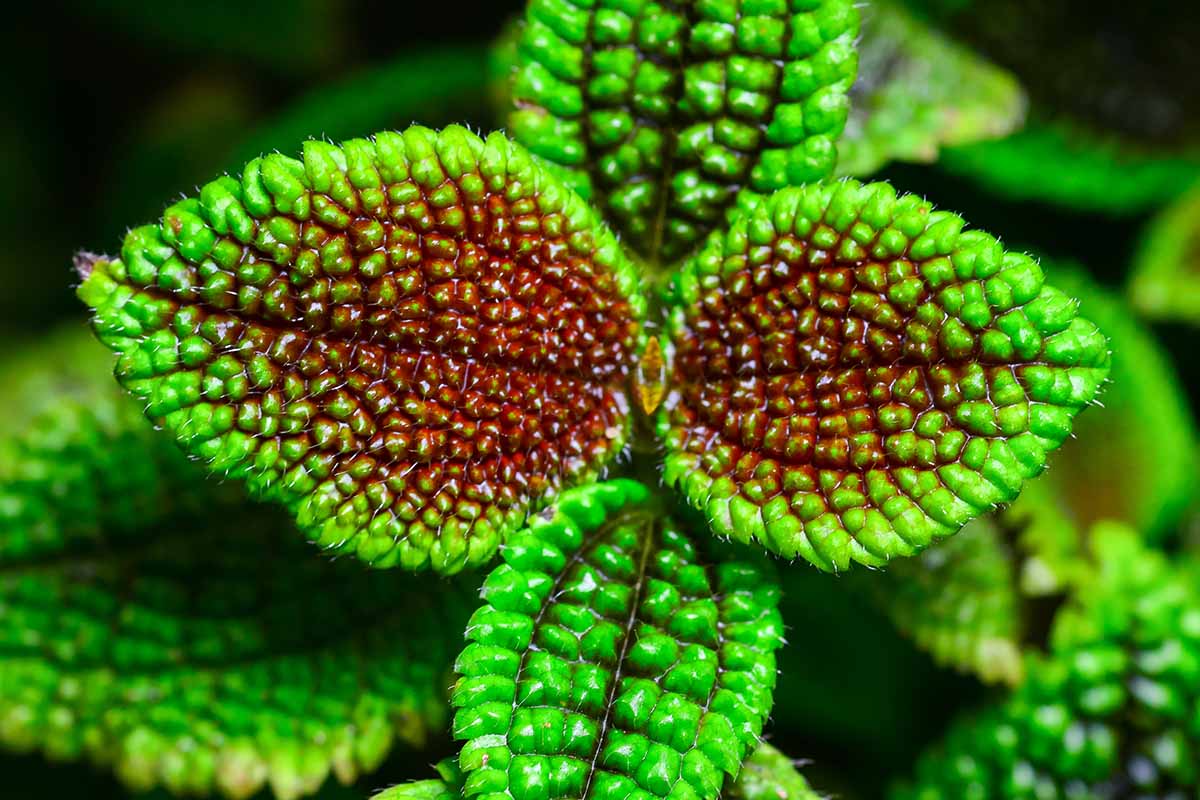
x=960 y=601
x=917 y=91
x=1165 y=281
x=1067 y=165
x=1134 y=458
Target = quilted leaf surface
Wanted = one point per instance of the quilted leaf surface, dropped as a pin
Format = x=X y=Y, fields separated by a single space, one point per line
x=408 y=341
x=613 y=659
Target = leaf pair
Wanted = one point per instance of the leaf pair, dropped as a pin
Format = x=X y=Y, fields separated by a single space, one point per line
x=412 y=341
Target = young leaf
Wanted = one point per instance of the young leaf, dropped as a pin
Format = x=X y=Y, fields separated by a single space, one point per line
x=918 y=91
x=1109 y=713
x=856 y=377
x=140 y=630
x=662 y=111
x=408 y=341
x=1165 y=280
x=960 y=601
x=612 y=659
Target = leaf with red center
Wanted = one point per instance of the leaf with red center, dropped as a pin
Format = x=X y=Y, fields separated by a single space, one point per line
x=855 y=376
x=408 y=341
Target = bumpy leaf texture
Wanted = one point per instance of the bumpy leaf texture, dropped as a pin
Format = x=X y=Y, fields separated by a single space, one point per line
x=140 y=630
x=960 y=601
x=1109 y=714
x=855 y=376
x=661 y=112
x=766 y=775
x=1165 y=280
x=977 y=599
x=918 y=91
x=770 y=775
x=408 y=341
x=613 y=659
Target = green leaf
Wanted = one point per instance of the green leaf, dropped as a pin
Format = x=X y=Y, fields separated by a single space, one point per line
x=662 y=111
x=1165 y=279
x=976 y=600
x=770 y=775
x=918 y=91
x=611 y=657
x=1135 y=457
x=960 y=601
x=419 y=790
x=1094 y=64
x=77 y=459
x=407 y=341
x=856 y=377
x=1069 y=165
x=1108 y=713
x=153 y=624
x=448 y=786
